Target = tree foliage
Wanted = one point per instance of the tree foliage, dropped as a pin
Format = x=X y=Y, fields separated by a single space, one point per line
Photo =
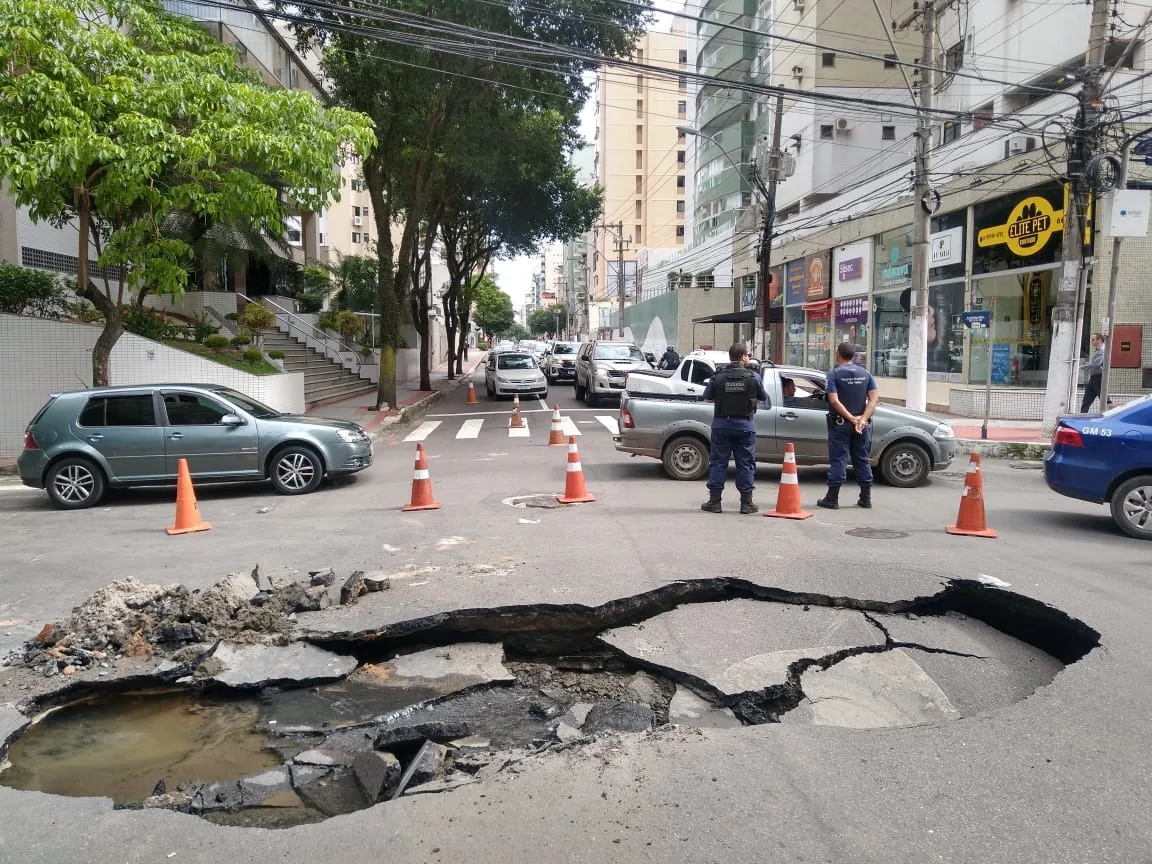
x=120 y=118
x=494 y=314
x=547 y=320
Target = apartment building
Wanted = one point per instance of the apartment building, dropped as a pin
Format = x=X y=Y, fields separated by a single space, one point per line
x=641 y=157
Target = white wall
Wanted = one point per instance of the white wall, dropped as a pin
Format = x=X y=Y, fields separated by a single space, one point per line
x=40 y=357
x=192 y=303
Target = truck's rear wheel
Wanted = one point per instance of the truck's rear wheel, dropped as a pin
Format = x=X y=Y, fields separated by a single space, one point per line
x=685 y=458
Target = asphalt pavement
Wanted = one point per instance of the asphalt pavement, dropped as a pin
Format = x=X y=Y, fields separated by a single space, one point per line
x=1062 y=775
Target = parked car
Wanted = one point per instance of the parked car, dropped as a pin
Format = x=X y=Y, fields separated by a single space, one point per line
x=514 y=373
x=82 y=443
x=906 y=445
x=1107 y=459
x=602 y=368
x=688 y=379
x=560 y=361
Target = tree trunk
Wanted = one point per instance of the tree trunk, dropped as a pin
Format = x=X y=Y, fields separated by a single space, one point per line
x=113 y=323
x=448 y=304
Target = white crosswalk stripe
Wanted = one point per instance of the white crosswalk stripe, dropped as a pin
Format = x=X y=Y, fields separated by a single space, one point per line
x=569 y=427
x=609 y=423
x=519 y=431
x=422 y=431
x=470 y=428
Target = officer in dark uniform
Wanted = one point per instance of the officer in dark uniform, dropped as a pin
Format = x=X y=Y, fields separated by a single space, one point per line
x=734 y=390
x=852 y=397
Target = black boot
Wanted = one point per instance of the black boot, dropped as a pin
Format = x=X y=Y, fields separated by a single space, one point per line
x=712 y=505
x=831 y=499
x=865 y=499
x=747 y=505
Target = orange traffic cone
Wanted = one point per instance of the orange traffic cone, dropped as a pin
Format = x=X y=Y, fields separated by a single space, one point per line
x=574 y=490
x=422 y=484
x=517 y=422
x=556 y=433
x=788 y=498
x=472 y=400
x=970 y=520
x=187 y=512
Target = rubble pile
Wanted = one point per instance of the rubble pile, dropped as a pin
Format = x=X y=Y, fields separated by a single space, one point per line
x=131 y=619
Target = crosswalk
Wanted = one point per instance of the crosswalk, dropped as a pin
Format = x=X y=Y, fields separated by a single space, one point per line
x=538 y=424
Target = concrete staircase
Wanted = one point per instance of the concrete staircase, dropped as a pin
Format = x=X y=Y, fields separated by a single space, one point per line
x=324 y=379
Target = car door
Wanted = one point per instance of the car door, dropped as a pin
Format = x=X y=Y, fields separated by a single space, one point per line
x=768 y=446
x=195 y=432
x=697 y=378
x=122 y=428
x=804 y=421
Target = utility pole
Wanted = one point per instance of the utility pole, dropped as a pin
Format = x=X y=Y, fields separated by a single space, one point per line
x=1062 y=365
x=916 y=395
x=775 y=174
x=617 y=230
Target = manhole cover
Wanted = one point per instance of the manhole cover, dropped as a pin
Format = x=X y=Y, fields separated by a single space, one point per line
x=541 y=501
x=877 y=533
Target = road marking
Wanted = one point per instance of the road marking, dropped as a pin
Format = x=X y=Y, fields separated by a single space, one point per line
x=609 y=423
x=569 y=426
x=508 y=412
x=543 y=404
x=422 y=431
x=14 y=488
x=519 y=431
x=470 y=429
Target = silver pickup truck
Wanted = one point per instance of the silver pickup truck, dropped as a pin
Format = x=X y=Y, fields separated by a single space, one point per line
x=906 y=445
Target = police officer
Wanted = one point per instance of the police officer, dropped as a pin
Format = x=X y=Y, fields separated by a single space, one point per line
x=852 y=397
x=734 y=391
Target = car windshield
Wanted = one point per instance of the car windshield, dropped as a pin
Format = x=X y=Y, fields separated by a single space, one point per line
x=618 y=352
x=257 y=409
x=515 y=361
x=564 y=348
x=1113 y=411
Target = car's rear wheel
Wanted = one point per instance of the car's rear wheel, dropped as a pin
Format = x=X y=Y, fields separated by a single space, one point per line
x=296 y=470
x=577 y=390
x=686 y=459
x=1132 y=507
x=75 y=483
x=591 y=397
x=905 y=465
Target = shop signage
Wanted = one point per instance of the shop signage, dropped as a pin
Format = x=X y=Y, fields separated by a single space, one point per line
x=979 y=318
x=794 y=282
x=895 y=272
x=749 y=294
x=946 y=247
x=1028 y=229
x=818 y=277
x=851 y=269
x=851 y=310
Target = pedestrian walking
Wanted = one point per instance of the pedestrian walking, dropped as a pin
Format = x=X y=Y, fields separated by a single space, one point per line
x=852 y=397
x=734 y=391
x=1095 y=367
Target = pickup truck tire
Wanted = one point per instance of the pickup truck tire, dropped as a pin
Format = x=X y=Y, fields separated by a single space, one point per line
x=577 y=390
x=591 y=397
x=1129 y=505
x=905 y=464
x=685 y=458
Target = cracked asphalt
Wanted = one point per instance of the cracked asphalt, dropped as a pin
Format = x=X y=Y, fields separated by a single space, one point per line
x=1062 y=775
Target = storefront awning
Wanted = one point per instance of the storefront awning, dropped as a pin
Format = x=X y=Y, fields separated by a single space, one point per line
x=748 y=316
x=818 y=306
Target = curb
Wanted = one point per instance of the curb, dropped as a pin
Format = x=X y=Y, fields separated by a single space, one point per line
x=1025 y=450
x=418 y=407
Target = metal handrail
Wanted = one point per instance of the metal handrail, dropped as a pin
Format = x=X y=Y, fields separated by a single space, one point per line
x=317 y=332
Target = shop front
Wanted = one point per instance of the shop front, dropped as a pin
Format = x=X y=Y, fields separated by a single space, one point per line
x=773 y=316
x=851 y=284
x=1014 y=276
x=818 y=310
x=795 y=282
x=892 y=285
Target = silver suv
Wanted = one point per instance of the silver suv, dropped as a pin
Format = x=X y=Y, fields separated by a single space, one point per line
x=81 y=443
x=602 y=367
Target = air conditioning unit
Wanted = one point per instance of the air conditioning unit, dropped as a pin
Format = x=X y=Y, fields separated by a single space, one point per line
x=1019 y=144
x=843 y=124
x=357 y=221
x=797 y=71
x=798 y=5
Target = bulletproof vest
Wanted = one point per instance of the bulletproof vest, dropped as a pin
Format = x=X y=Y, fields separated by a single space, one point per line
x=735 y=393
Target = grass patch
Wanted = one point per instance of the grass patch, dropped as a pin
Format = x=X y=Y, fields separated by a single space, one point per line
x=228 y=357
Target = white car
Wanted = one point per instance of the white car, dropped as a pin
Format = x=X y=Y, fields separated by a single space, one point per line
x=514 y=373
x=688 y=379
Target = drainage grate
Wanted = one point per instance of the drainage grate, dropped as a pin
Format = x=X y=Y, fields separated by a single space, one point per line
x=539 y=501
x=877 y=533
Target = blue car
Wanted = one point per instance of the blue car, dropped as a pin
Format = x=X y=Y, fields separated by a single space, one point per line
x=1107 y=458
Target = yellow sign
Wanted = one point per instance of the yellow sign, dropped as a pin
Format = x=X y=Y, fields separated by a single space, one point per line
x=1030 y=225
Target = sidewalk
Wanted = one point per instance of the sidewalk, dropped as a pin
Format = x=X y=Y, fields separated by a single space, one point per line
x=359 y=409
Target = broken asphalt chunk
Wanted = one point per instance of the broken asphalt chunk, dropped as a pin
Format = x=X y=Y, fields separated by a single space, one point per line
x=432 y=762
x=377 y=773
x=352 y=588
x=611 y=715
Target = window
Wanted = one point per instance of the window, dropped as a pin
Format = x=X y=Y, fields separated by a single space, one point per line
x=355 y=236
x=888 y=133
x=366 y=240
x=639 y=82
x=680 y=137
x=680 y=182
x=828 y=59
x=191 y=409
x=637 y=237
x=357 y=185
x=683 y=82
x=679 y=206
x=639 y=135
x=616 y=351
x=639 y=210
x=954 y=57
x=680 y=157
x=639 y=159
x=682 y=108
x=982 y=117
x=889 y=61
x=640 y=108
x=951 y=131
x=683 y=56
x=639 y=184
x=136 y=410
x=639 y=55
x=356 y=212
x=700 y=373
x=679 y=232
x=809 y=393
x=515 y=361
x=825 y=130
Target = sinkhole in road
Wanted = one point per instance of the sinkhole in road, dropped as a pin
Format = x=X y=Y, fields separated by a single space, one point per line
x=427 y=705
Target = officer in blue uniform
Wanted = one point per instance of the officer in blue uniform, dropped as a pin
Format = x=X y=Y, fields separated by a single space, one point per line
x=734 y=390
x=852 y=397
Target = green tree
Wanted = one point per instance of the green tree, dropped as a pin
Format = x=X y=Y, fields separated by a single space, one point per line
x=355 y=283
x=494 y=314
x=150 y=119
x=548 y=320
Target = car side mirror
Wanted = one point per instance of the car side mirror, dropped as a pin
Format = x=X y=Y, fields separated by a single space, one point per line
x=231 y=420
